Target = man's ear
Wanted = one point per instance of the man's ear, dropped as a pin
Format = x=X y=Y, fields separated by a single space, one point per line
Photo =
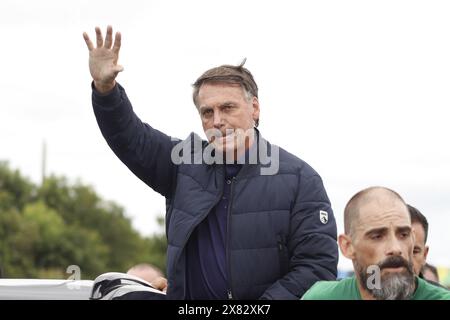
x=425 y=252
x=255 y=106
x=346 y=246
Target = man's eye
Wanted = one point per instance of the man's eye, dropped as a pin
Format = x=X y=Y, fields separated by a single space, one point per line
x=404 y=234
x=207 y=112
x=227 y=107
x=376 y=237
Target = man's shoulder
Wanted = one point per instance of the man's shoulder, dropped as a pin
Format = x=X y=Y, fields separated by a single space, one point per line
x=429 y=291
x=330 y=290
x=293 y=164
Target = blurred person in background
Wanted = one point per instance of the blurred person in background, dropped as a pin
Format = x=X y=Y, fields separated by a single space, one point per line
x=149 y=273
x=430 y=273
x=420 y=227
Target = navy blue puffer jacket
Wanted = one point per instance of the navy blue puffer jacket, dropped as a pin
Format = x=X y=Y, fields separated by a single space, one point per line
x=281 y=228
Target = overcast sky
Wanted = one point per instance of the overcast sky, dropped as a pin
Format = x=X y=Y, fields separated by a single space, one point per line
x=358 y=89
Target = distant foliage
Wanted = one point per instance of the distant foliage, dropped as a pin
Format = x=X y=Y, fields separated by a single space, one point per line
x=44 y=229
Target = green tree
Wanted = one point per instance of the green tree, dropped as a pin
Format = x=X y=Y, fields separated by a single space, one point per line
x=14 y=261
x=19 y=190
x=44 y=229
x=156 y=246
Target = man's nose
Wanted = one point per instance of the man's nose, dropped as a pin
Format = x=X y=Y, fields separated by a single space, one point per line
x=218 y=120
x=394 y=247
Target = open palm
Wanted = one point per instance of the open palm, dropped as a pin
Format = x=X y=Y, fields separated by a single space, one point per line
x=103 y=59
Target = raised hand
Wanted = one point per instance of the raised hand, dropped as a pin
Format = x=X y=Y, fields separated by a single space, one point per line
x=103 y=59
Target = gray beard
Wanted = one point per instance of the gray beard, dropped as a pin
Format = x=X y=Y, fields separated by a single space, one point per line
x=398 y=286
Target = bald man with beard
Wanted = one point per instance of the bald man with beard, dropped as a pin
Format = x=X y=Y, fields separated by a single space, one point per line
x=379 y=240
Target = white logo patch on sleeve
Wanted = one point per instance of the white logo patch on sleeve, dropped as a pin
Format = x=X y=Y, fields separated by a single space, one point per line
x=323 y=216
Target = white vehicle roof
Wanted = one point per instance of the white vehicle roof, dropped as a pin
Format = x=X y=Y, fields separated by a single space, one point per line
x=45 y=289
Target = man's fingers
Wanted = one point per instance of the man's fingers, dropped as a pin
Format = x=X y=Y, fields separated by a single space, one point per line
x=117 y=42
x=99 y=36
x=108 y=38
x=88 y=41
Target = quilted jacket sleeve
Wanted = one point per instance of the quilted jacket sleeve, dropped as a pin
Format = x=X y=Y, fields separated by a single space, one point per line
x=312 y=246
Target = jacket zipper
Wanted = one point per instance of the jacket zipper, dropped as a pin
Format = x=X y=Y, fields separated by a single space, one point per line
x=281 y=254
x=230 y=204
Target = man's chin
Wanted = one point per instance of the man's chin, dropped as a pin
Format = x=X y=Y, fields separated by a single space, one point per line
x=396 y=286
x=227 y=145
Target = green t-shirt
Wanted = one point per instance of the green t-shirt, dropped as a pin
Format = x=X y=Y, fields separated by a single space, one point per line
x=347 y=289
